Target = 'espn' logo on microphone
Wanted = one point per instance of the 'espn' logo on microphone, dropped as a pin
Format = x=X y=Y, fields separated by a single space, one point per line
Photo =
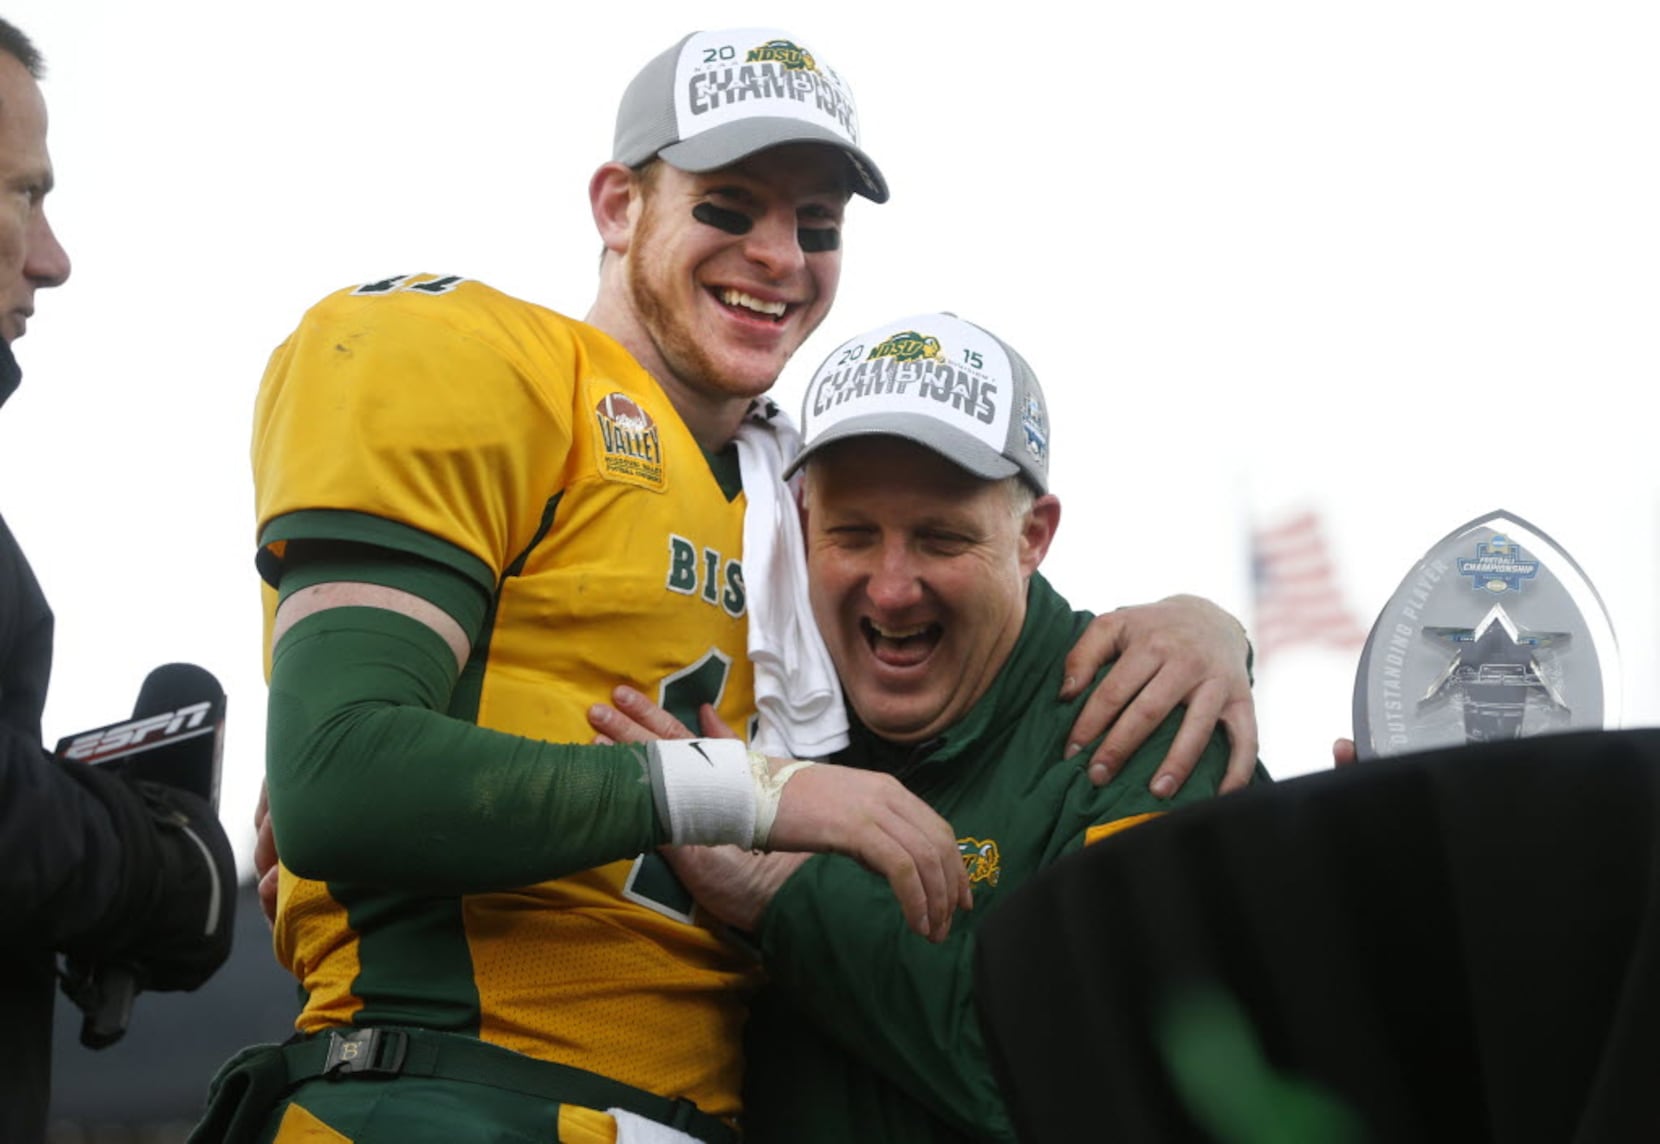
x=135 y=735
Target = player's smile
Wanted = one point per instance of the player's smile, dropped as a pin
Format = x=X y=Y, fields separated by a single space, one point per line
x=749 y=332
x=746 y=303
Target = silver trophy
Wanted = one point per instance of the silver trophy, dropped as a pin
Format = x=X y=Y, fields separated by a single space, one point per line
x=1496 y=634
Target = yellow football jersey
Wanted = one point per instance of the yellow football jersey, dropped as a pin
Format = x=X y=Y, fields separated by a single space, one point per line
x=439 y=417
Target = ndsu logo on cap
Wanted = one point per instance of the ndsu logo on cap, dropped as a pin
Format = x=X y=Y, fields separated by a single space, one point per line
x=784 y=52
x=630 y=447
x=908 y=345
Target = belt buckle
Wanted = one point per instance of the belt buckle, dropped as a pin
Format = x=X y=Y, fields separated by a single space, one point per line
x=366 y=1052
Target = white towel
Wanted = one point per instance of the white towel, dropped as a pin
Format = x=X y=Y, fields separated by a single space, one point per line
x=796 y=692
x=633 y=1129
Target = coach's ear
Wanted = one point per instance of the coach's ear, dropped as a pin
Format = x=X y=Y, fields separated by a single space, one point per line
x=1037 y=532
x=613 y=193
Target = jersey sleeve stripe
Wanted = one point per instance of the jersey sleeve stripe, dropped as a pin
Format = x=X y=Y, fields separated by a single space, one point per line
x=338 y=524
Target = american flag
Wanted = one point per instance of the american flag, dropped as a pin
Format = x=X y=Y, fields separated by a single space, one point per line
x=1297 y=597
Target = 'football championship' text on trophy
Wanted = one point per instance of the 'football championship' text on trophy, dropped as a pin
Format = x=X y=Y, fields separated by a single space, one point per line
x=1496 y=634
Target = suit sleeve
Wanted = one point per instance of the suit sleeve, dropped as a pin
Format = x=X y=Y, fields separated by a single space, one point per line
x=91 y=864
x=60 y=854
x=104 y=869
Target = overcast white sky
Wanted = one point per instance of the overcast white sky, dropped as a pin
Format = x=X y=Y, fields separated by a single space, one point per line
x=1399 y=262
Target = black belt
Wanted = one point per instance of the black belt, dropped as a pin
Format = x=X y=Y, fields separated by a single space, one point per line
x=344 y=1054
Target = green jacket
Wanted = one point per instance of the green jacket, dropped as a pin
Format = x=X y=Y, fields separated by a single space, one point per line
x=868 y=1032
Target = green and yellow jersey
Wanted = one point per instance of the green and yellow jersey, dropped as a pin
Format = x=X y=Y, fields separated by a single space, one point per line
x=437 y=418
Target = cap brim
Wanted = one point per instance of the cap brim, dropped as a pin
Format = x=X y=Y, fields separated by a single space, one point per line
x=967 y=453
x=730 y=142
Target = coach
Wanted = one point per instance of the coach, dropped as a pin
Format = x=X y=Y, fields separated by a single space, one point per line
x=927 y=513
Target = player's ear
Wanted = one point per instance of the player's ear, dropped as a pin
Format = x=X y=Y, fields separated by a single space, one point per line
x=1037 y=531
x=612 y=193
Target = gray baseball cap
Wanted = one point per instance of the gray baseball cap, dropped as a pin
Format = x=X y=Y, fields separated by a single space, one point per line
x=718 y=97
x=941 y=382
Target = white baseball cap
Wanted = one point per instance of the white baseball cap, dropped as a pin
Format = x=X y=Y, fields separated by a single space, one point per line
x=718 y=97
x=941 y=382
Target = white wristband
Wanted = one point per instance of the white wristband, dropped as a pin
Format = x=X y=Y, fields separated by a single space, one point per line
x=769 y=788
x=706 y=790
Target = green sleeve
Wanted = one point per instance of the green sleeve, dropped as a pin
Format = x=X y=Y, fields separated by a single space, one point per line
x=371 y=783
x=1127 y=796
x=834 y=938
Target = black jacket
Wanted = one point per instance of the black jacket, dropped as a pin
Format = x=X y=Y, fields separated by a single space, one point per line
x=90 y=865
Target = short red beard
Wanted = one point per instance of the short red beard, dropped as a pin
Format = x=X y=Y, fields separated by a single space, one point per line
x=677 y=345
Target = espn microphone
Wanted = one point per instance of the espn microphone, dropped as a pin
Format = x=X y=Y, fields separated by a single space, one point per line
x=176 y=735
x=176 y=738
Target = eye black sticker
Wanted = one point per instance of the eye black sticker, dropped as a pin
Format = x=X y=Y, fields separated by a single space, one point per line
x=813 y=240
x=732 y=222
x=818 y=239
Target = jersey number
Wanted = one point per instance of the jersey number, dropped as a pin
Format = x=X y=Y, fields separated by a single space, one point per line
x=651 y=882
x=427 y=284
